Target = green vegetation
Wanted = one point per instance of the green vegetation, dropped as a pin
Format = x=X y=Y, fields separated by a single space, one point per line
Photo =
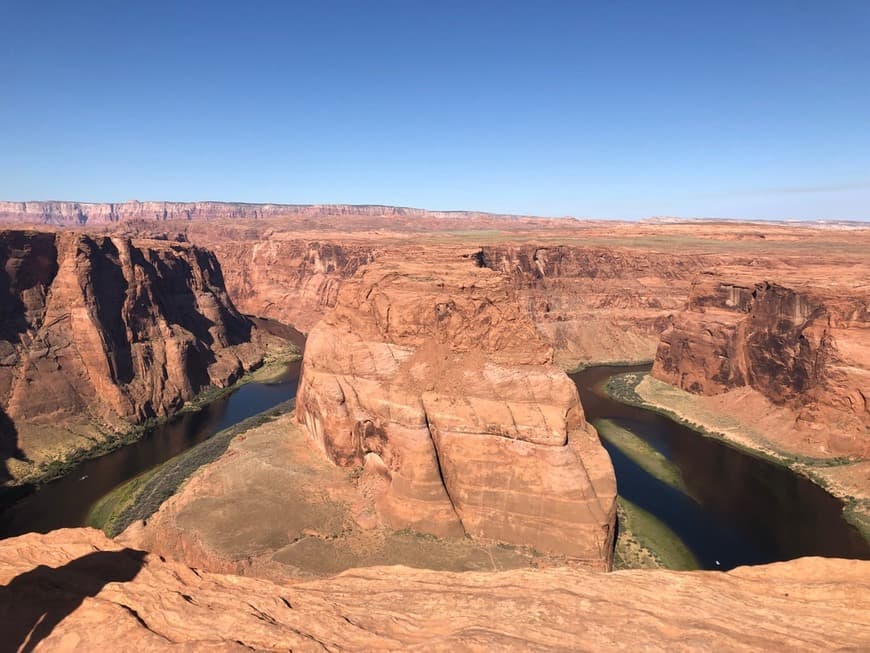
x=140 y=497
x=641 y=452
x=856 y=511
x=643 y=536
x=104 y=441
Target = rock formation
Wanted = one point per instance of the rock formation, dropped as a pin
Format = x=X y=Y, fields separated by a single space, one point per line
x=292 y=280
x=597 y=304
x=430 y=375
x=98 y=332
x=802 y=343
x=75 y=590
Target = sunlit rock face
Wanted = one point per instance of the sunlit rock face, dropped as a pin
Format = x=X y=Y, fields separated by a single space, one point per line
x=430 y=375
x=802 y=342
x=102 y=331
x=74 y=589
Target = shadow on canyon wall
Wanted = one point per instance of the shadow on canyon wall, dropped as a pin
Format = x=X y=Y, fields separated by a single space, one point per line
x=8 y=445
x=34 y=602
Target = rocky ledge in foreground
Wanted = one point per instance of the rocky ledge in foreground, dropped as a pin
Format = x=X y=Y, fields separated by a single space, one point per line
x=430 y=376
x=76 y=590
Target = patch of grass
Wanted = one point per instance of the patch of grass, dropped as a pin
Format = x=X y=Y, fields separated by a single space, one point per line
x=655 y=539
x=647 y=457
x=142 y=496
x=857 y=513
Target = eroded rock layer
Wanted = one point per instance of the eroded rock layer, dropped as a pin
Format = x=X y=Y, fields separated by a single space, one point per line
x=75 y=590
x=295 y=281
x=92 y=213
x=430 y=375
x=803 y=343
x=596 y=304
x=100 y=331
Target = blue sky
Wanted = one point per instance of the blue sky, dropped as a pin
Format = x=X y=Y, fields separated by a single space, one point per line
x=592 y=109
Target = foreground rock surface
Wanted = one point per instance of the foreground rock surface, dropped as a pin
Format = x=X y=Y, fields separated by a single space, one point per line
x=801 y=344
x=101 y=332
x=432 y=377
x=75 y=590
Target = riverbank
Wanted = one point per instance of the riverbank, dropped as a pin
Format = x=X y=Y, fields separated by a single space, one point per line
x=95 y=440
x=142 y=496
x=847 y=479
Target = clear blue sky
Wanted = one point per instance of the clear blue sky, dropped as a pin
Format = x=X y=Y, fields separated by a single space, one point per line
x=605 y=109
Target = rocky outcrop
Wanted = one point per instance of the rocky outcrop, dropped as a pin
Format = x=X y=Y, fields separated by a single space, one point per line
x=802 y=343
x=98 y=332
x=430 y=375
x=75 y=590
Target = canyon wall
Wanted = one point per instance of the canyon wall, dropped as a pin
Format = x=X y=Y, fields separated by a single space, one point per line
x=430 y=375
x=89 y=213
x=592 y=304
x=803 y=342
x=596 y=304
x=295 y=281
x=99 y=332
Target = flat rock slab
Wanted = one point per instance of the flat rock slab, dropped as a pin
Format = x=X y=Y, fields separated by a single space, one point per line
x=75 y=590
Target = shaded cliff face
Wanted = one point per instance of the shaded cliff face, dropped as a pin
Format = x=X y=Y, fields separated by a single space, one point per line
x=596 y=304
x=798 y=343
x=88 y=593
x=99 y=332
x=431 y=375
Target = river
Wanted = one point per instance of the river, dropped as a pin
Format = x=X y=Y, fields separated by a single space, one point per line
x=736 y=509
x=67 y=501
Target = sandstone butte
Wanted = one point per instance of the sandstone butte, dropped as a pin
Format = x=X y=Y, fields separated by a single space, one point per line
x=430 y=376
x=76 y=590
x=99 y=333
x=801 y=343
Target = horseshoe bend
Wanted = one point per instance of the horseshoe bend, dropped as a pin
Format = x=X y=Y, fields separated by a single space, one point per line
x=425 y=326
x=433 y=425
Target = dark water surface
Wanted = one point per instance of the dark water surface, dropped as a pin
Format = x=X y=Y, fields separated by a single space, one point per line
x=742 y=509
x=67 y=501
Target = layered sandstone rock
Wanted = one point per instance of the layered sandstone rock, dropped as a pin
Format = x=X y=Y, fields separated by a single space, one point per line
x=431 y=375
x=98 y=332
x=802 y=343
x=89 y=213
x=292 y=280
x=75 y=590
x=597 y=304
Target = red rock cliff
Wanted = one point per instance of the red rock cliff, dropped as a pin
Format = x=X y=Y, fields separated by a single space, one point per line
x=596 y=304
x=799 y=343
x=431 y=375
x=295 y=281
x=105 y=331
